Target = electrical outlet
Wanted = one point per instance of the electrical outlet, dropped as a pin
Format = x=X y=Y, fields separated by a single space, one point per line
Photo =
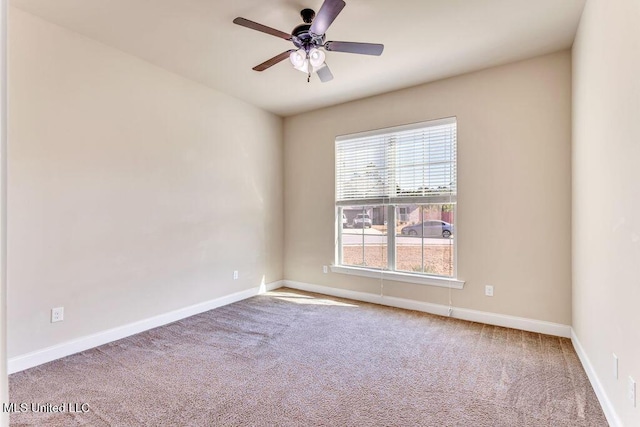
x=631 y=391
x=325 y=269
x=57 y=314
x=615 y=366
x=235 y=275
x=488 y=290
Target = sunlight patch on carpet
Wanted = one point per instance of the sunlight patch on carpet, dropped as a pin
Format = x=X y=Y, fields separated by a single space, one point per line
x=307 y=300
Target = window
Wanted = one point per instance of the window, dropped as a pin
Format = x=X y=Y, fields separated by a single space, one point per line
x=426 y=245
x=396 y=198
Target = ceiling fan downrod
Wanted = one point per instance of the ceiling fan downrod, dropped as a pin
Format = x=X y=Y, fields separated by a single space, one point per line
x=307 y=15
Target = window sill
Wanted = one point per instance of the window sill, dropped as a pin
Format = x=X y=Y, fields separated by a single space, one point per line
x=397 y=276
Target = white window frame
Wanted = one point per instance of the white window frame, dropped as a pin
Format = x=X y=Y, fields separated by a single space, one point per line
x=390 y=273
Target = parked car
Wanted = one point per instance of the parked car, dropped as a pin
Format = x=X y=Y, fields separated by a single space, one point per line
x=430 y=228
x=362 y=221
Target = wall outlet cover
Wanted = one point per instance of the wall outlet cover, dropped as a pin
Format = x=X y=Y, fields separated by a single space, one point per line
x=57 y=314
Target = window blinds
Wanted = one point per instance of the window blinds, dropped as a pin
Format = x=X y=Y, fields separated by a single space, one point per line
x=406 y=164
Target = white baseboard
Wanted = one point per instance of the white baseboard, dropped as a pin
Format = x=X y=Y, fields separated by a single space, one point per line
x=38 y=357
x=514 y=322
x=607 y=407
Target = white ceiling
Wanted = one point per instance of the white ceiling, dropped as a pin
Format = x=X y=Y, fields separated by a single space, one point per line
x=424 y=40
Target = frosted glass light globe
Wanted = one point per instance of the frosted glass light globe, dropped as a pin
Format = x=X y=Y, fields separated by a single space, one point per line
x=298 y=58
x=316 y=57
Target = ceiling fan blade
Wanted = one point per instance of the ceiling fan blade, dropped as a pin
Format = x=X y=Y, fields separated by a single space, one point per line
x=273 y=61
x=328 y=12
x=324 y=73
x=354 y=47
x=262 y=28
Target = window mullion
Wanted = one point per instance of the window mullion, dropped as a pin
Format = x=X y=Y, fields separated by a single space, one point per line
x=364 y=245
x=391 y=237
x=340 y=227
x=422 y=237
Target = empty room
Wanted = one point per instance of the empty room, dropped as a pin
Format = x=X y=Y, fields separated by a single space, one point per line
x=327 y=212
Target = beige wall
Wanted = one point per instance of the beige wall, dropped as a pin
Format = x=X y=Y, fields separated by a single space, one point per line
x=4 y=386
x=606 y=194
x=514 y=212
x=132 y=191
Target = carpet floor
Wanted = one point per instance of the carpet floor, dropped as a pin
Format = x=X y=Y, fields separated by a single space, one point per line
x=290 y=358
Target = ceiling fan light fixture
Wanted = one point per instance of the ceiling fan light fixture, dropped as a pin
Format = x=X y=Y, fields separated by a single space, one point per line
x=316 y=57
x=304 y=67
x=298 y=58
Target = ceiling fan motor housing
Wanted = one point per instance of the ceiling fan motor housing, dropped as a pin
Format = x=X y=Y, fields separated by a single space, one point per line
x=301 y=36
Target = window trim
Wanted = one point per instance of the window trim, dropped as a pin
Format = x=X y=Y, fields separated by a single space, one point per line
x=391 y=203
x=397 y=276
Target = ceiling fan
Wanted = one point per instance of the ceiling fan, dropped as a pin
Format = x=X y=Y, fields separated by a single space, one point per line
x=309 y=39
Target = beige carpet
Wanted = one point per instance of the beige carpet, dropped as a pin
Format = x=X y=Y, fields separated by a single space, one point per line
x=289 y=358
